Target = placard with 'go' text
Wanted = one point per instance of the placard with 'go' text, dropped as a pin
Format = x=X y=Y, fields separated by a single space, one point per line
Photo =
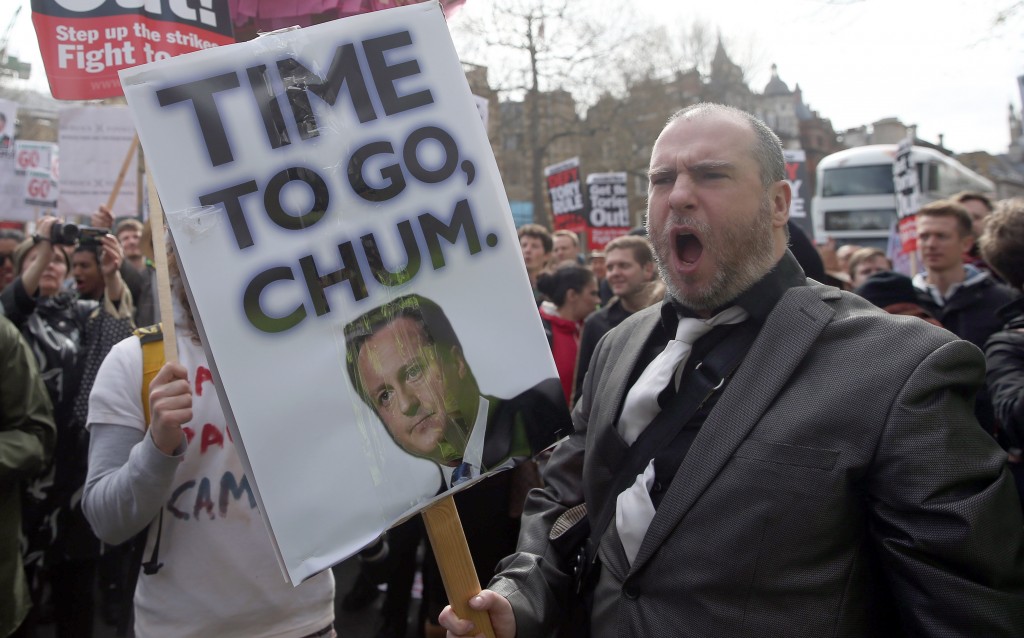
x=350 y=254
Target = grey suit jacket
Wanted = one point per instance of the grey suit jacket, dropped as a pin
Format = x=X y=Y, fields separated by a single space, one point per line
x=840 y=487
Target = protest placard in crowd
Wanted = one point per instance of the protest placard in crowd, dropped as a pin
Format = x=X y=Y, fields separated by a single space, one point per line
x=346 y=239
x=31 y=155
x=93 y=142
x=28 y=171
x=36 y=163
x=609 y=209
x=796 y=175
x=85 y=44
x=565 y=190
x=908 y=194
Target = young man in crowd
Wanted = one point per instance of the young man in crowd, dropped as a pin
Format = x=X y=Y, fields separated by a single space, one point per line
x=536 y=243
x=85 y=270
x=866 y=262
x=566 y=247
x=967 y=297
x=129 y=233
x=629 y=264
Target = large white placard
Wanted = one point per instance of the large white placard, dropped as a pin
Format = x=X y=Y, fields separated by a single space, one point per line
x=311 y=178
x=93 y=143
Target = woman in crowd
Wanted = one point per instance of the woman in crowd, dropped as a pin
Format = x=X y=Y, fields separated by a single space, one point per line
x=209 y=567
x=573 y=291
x=69 y=337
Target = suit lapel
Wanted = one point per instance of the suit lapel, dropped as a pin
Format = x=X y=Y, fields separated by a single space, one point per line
x=787 y=335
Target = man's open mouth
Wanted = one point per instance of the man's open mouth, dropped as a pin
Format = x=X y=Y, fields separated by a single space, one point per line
x=688 y=248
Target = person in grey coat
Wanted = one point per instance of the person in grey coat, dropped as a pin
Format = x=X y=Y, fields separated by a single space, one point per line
x=832 y=483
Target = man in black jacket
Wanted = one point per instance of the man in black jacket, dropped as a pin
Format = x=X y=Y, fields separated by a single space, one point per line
x=967 y=297
x=810 y=499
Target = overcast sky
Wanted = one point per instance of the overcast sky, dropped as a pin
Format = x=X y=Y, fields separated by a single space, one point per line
x=941 y=64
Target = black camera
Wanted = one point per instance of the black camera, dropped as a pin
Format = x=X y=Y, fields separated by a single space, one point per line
x=71 y=234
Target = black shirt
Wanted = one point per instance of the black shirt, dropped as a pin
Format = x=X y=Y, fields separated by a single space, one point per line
x=596 y=326
x=758 y=301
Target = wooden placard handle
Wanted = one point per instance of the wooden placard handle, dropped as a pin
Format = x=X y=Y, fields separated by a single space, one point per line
x=455 y=562
x=124 y=171
x=163 y=277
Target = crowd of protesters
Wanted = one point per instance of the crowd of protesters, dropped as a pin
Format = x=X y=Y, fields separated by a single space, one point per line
x=73 y=302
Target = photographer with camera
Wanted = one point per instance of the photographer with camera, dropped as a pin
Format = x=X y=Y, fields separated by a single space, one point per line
x=137 y=269
x=70 y=336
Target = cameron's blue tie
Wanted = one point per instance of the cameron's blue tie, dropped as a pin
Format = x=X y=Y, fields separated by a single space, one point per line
x=463 y=472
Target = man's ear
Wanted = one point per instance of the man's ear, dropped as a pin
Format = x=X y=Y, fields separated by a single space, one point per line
x=781 y=194
x=649 y=271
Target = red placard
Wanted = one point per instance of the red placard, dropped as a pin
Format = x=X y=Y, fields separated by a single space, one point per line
x=84 y=43
x=566 y=195
x=908 y=234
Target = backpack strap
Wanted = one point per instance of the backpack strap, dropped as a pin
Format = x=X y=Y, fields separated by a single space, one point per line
x=151 y=338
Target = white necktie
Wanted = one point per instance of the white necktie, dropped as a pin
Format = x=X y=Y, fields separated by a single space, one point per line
x=634 y=509
x=641 y=404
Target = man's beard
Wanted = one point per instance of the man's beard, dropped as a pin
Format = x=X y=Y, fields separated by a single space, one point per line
x=742 y=257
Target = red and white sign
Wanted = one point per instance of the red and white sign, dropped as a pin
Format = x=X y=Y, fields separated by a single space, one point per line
x=41 y=189
x=35 y=163
x=908 y=234
x=30 y=155
x=566 y=195
x=84 y=43
x=609 y=208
